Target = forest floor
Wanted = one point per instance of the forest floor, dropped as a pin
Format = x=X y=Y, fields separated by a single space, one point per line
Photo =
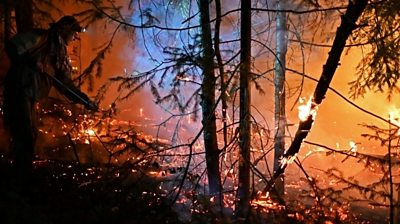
x=65 y=192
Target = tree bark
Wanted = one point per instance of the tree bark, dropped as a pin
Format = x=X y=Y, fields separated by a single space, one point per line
x=7 y=20
x=348 y=24
x=224 y=97
x=208 y=105
x=24 y=15
x=243 y=194
x=280 y=94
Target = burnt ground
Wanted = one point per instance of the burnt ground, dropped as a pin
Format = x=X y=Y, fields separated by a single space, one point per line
x=65 y=192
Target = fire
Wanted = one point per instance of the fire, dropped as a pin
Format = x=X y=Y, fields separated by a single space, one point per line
x=184 y=78
x=154 y=173
x=394 y=118
x=265 y=202
x=307 y=109
x=90 y=132
x=353 y=146
x=212 y=199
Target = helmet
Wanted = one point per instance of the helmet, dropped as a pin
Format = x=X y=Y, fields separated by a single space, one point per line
x=69 y=23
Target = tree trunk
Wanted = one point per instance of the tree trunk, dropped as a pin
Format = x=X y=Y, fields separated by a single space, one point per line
x=7 y=20
x=243 y=194
x=280 y=95
x=208 y=104
x=348 y=24
x=24 y=15
x=224 y=97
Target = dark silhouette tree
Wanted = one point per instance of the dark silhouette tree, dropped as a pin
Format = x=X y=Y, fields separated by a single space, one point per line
x=208 y=104
x=24 y=15
x=378 y=69
x=243 y=191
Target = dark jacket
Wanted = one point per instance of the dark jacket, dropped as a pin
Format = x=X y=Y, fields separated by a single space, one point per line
x=35 y=56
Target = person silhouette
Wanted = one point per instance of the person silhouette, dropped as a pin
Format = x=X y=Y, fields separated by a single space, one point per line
x=38 y=61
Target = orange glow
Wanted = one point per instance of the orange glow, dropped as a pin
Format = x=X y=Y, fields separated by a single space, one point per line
x=155 y=173
x=265 y=202
x=394 y=117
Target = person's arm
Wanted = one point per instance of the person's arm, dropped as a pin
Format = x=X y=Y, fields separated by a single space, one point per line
x=62 y=74
x=73 y=93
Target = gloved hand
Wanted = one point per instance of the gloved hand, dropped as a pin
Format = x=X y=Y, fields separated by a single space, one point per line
x=91 y=106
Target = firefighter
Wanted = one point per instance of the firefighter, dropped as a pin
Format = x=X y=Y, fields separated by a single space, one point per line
x=39 y=60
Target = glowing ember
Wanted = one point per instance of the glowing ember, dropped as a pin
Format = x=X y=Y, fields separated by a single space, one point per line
x=90 y=132
x=154 y=173
x=212 y=199
x=394 y=117
x=185 y=79
x=286 y=161
x=353 y=146
x=265 y=202
x=307 y=109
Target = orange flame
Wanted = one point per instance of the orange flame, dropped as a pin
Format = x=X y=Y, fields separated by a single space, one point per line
x=307 y=109
x=141 y=112
x=90 y=132
x=353 y=146
x=265 y=202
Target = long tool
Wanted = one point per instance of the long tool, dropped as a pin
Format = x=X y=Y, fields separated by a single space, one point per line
x=69 y=90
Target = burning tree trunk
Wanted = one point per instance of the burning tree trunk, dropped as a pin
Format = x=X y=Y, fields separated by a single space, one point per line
x=280 y=95
x=243 y=194
x=348 y=24
x=208 y=104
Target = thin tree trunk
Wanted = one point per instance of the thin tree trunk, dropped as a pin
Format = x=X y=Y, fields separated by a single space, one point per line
x=224 y=97
x=280 y=94
x=208 y=103
x=391 y=204
x=243 y=194
x=24 y=15
x=7 y=20
x=348 y=24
